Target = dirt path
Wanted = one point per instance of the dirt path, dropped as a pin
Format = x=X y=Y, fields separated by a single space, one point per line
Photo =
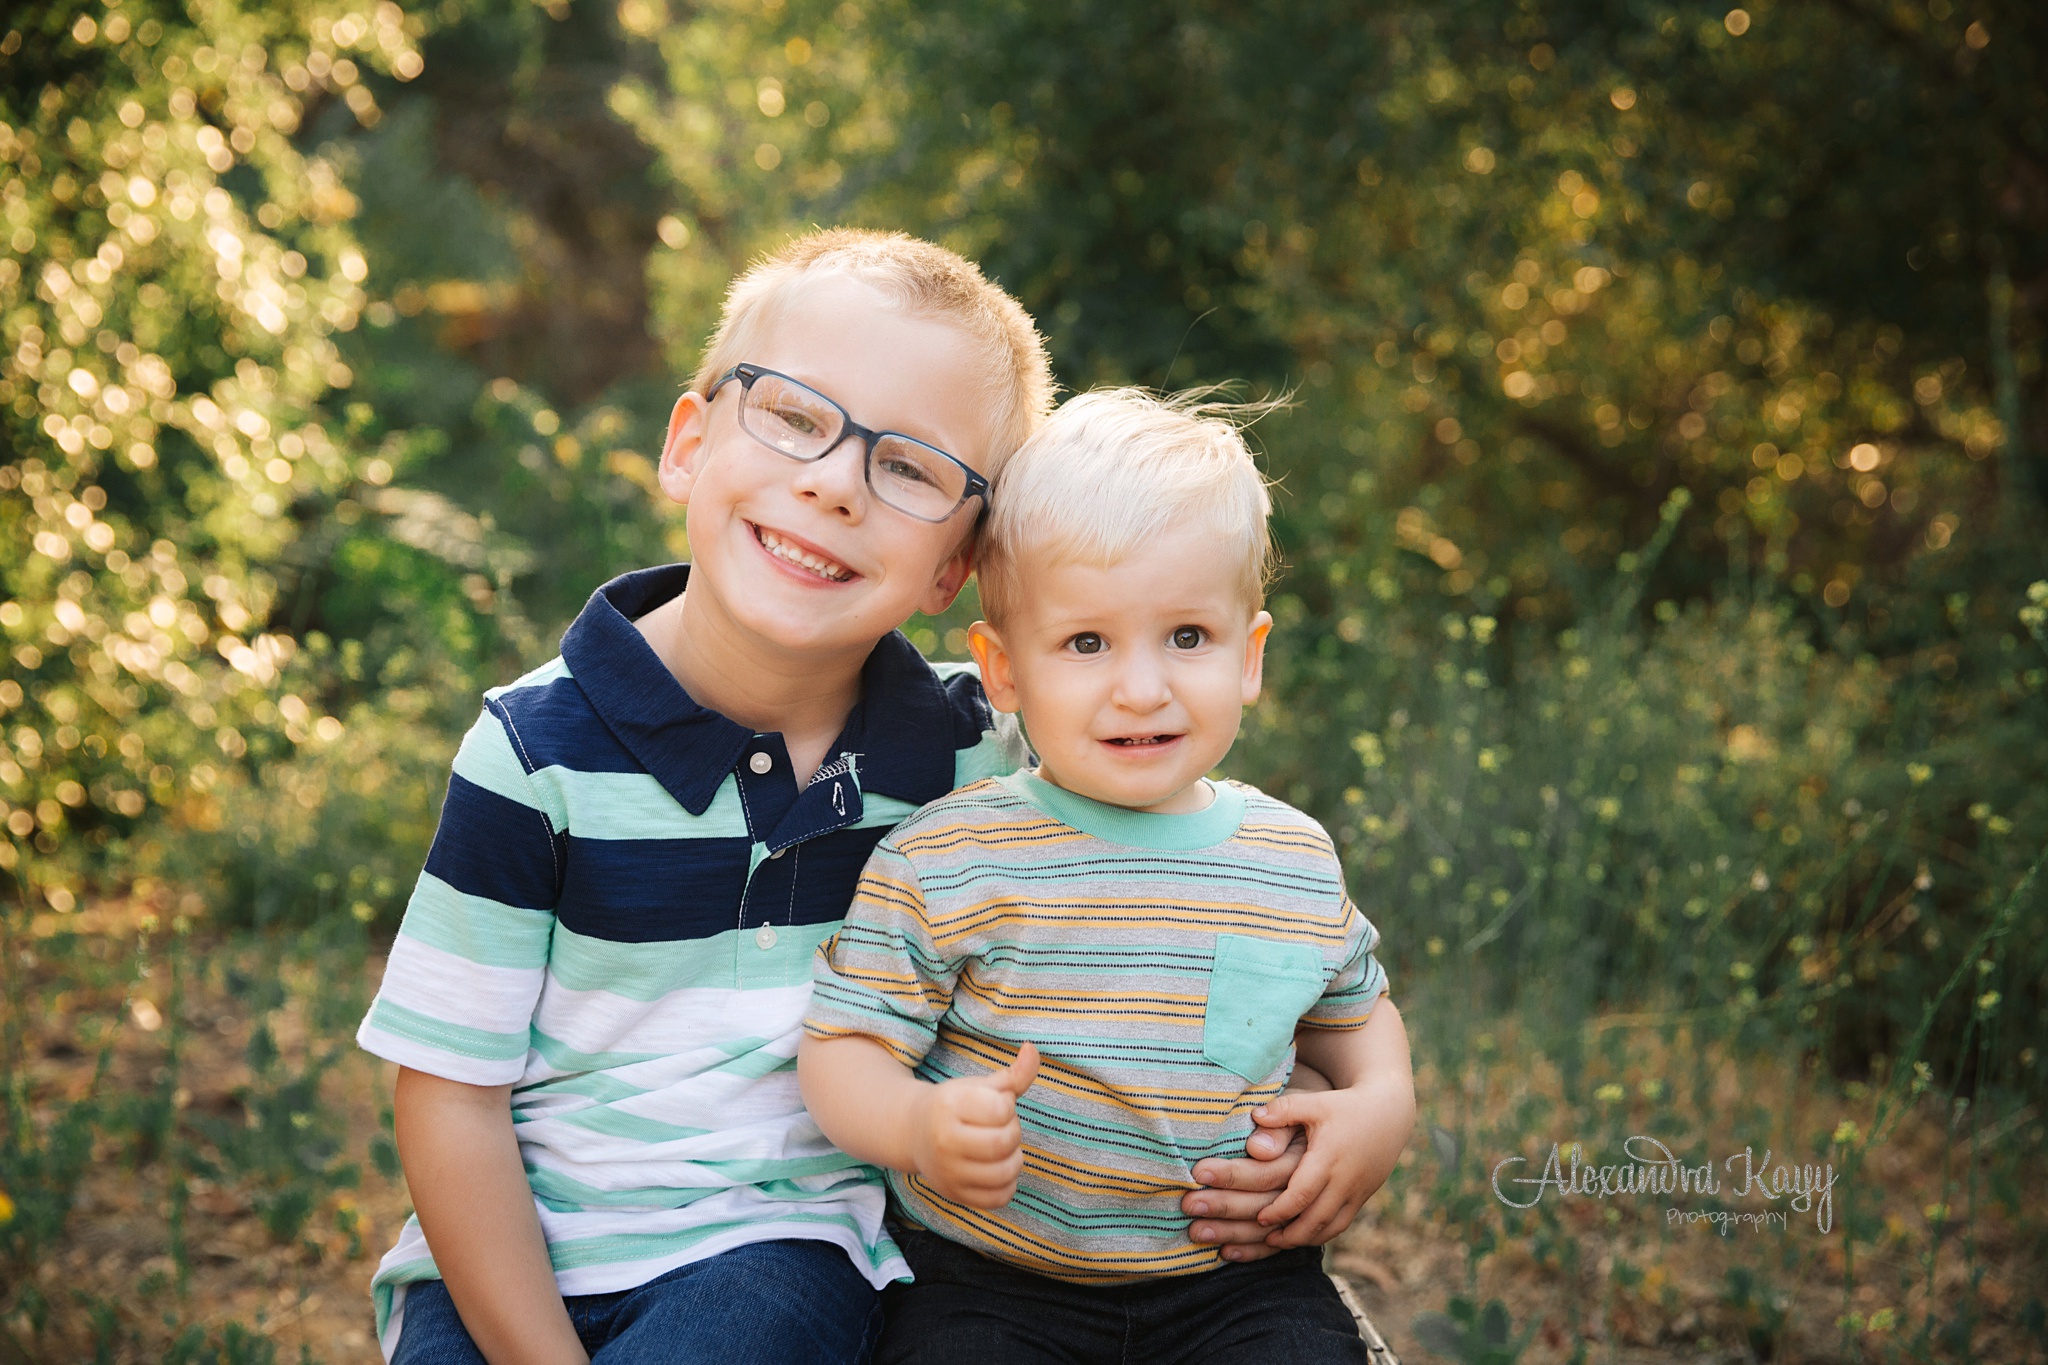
x=261 y=1272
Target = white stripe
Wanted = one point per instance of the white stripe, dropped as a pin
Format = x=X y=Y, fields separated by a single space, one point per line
x=443 y=986
x=682 y=1024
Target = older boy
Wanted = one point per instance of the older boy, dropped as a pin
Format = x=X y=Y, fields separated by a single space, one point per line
x=595 y=994
x=1058 y=991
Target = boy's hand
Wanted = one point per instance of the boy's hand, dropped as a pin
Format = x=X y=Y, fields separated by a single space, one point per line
x=1235 y=1191
x=1354 y=1138
x=967 y=1142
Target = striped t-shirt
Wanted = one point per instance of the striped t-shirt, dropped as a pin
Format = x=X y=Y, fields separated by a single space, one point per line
x=1161 y=963
x=618 y=917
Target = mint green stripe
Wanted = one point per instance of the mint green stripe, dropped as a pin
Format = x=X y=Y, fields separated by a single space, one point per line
x=460 y=1039
x=565 y=1195
x=771 y=1179
x=595 y=1085
x=636 y=806
x=551 y=671
x=476 y=928
x=582 y=1251
x=757 y=1064
x=382 y=1289
x=882 y=812
x=1204 y=828
x=649 y=971
x=561 y=1057
x=618 y=1123
x=1001 y=752
x=488 y=759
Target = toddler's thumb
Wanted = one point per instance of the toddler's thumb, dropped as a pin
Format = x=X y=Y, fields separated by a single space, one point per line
x=1019 y=1075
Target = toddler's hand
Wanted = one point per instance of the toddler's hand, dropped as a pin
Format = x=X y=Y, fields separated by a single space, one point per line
x=968 y=1144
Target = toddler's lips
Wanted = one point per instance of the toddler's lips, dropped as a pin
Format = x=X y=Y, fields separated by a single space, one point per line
x=1141 y=742
x=800 y=556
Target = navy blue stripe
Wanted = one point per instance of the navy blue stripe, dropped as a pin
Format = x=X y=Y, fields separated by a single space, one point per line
x=488 y=845
x=653 y=890
x=824 y=870
x=556 y=727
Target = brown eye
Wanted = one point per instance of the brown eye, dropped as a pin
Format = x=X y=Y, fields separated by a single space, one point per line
x=1188 y=637
x=1087 y=642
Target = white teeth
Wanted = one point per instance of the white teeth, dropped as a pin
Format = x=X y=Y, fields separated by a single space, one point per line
x=817 y=564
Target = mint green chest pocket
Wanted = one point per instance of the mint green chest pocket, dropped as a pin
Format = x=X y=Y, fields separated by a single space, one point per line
x=1258 y=991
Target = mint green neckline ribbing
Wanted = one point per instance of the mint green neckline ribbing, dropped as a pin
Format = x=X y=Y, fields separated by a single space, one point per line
x=1205 y=828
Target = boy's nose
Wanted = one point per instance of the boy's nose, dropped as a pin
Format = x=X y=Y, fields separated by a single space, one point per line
x=837 y=479
x=1141 y=686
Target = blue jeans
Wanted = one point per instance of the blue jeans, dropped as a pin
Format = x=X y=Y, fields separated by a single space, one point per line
x=768 y=1303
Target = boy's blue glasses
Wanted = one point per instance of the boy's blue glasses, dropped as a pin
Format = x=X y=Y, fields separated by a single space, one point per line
x=796 y=420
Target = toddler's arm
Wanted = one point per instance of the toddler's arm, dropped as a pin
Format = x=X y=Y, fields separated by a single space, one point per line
x=1356 y=1132
x=462 y=1165
x=961 y=1135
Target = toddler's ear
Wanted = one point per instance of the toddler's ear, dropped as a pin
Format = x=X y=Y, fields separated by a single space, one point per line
x=1255 y=656
x=683 y=447
x=997 y=680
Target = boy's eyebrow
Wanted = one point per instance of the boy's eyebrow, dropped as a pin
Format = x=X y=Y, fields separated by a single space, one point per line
x=915 y=427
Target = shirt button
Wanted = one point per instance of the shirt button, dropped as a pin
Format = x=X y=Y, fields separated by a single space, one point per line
x=764 y=937
x=760 y=763
x=775 y=853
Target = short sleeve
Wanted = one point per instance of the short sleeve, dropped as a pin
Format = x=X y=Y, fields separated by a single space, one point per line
x=996 y=747
x=882 y=976
x=466 y=968
x=1358 y=984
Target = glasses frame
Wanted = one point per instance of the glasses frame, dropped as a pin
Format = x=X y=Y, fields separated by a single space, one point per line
x=747 y=374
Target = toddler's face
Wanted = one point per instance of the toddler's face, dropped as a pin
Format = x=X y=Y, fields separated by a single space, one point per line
x=1132 y=679
x=802 y=556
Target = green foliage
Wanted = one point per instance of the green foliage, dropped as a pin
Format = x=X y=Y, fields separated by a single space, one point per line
x=1473 y=1335
x=1660 y=503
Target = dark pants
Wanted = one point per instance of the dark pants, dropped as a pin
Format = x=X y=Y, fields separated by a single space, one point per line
x=770 y=1303
x=966 y=1307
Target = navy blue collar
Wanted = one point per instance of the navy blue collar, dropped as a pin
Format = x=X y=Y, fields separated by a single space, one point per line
x=902 y=729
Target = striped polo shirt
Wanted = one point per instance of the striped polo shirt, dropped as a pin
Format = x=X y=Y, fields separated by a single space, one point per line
x=618 y=917
x=1161 y=963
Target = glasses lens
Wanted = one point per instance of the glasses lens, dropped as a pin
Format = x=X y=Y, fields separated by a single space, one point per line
x=916 y=478
x=795 y=420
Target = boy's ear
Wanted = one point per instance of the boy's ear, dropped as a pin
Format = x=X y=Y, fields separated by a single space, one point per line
x=682 y=449
x=950 y=578
x=1255 y=656
x=997 y=681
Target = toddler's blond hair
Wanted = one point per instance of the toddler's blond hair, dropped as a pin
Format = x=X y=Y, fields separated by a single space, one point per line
x=925 y=281
x=1111 y=468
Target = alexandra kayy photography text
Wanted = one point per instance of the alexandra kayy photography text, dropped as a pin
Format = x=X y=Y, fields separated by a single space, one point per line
x=1651 y=1168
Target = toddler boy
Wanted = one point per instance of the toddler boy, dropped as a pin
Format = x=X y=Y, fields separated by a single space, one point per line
x=1059 y=990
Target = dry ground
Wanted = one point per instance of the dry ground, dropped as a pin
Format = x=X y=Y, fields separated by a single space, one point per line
x=1611 y=1274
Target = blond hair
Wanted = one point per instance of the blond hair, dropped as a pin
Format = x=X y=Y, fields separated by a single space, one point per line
x=1111 y=468
x=925 y=281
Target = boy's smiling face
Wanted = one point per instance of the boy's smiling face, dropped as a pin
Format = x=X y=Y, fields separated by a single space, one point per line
x=1132 y=678
x=801 y=555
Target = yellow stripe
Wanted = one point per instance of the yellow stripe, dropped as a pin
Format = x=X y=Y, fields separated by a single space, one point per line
x=1192 y=1104
x=828 y=1032
x=1008 y=1242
